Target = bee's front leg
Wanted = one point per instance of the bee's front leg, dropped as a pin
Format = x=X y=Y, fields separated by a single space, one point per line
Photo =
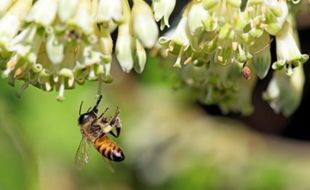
x=101 y=118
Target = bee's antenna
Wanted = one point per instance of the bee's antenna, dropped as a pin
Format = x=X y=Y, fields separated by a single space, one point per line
x=97 y=103
x=88 y=109
x=80 y=110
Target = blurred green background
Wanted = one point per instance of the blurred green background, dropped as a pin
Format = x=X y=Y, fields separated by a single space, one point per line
x=169 y=141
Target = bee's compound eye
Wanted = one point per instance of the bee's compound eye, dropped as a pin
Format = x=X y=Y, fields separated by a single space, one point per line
x=83 y=118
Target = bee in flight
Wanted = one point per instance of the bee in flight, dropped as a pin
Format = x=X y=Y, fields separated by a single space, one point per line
x=95 y=130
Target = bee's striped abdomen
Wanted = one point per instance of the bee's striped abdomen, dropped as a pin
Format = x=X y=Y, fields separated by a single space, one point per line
x=109 y=149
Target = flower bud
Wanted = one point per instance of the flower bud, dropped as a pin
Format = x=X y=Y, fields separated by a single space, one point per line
x=67 y=9
x=284 y=92
x=144 y=25
x=109 y=11
x=179 y=36
x=106 y=46
x=140 y=57
x=124 y=48
x=210 y=23
x=224 y=31
x=277 y=15
x=4 y=5
x=83 y=18
x=196 y=16
x=234 y=3
x=43 y=12
x=255 y=2
x=162 y=11
x=54 y=49
x=209 y=4
x=27 y=44
x=11 y=22
x=106 y=73
x=288 y=53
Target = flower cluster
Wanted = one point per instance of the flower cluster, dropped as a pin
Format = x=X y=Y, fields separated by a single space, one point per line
x=224 y=45
x=56 y=44
x=221 y=46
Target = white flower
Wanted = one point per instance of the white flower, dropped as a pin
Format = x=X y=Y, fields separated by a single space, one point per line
x=106 y=45
x=54 y=49
x=288 y=53
x=196 y=16
x=67 y=9
x=140 y=57
x=11 y=22
x=277 y=15
x=234 y=3
x=27 y=44
x=144 y=25
x=124 y=48
x=284 y=92
x=4 y=5
x=209 y=4
x=109 y=11
x=43 y=12
x=179 y=36
x=162 y=11
x=178 y=41
x=83 y=18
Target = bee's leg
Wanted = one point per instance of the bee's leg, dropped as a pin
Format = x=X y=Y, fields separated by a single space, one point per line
x=116 y=122
x=101 y=118
x=118 y=131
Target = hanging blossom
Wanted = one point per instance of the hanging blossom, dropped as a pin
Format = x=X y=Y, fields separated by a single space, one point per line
x=224 y=46
x=220 y=46
x=285 y=89
x=56 y=44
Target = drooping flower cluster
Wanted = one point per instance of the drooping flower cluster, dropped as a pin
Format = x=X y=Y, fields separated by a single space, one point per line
x=221 y=46
x=222 y=43
x=54 y=44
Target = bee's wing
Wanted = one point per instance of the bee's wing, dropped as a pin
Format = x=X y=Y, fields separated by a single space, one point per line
x=81 y=156
x=109 y=165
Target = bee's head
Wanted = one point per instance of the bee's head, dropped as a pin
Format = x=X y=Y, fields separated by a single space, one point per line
x=90 y=115
x=86 y=117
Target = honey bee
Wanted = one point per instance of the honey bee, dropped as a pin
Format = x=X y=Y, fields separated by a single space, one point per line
x=95 y=130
